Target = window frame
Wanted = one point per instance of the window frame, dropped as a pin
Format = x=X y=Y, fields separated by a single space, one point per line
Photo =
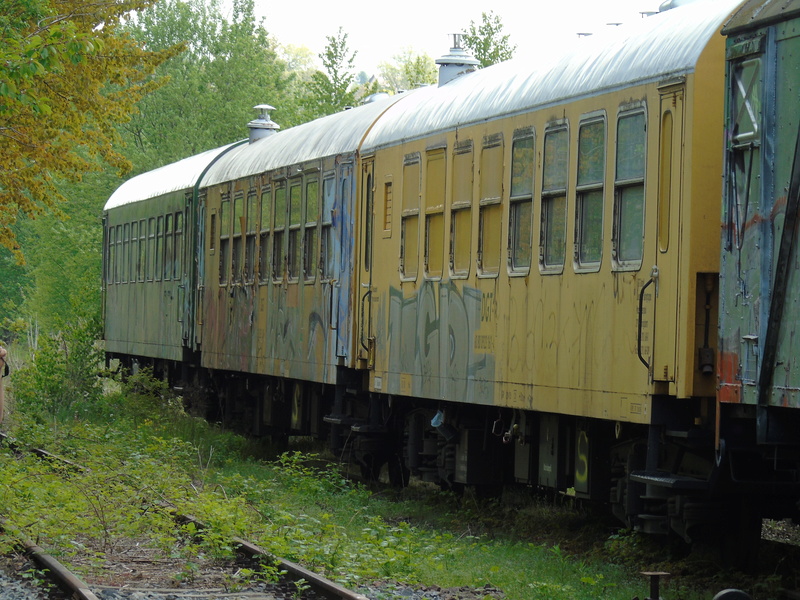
x=625 y=184
x=490 y=204
x=587 y=192
x=516 y=199
x=410 y=214
x=549 y=195
x=435 y=160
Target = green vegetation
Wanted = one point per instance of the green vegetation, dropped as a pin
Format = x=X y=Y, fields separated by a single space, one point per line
x=143 y=450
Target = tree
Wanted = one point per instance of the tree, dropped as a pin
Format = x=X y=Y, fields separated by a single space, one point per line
x=487 y=42
x=67 y=78
x=332 y=90
x=228 y=66
x=408 y=71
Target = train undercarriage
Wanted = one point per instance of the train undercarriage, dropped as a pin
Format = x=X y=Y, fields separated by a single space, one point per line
x=665 y=479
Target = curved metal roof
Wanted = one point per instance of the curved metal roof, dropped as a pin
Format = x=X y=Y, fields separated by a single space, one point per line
x=759 y=13
x=661 y=46
x=181 y=175
x=335 y=134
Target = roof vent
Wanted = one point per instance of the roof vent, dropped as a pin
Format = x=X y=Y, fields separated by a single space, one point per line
x=456 y=63
x=262 y=126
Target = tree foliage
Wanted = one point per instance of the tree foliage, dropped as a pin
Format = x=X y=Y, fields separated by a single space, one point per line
x=408 y=71
x=228 y=67
x=487 y=42
x=67 y=78
x=332 y=90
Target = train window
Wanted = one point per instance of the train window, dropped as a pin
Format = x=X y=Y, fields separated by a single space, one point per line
x=744 y=148
x=169 y=248
x=224 y=239
x=409 y=228
x=387 y=208
x=278 y=233
x=236 y=237
x=119 y=260
x=628 y=238
x=159 y=257
x=295 y=220
x=328 y=250
x=461 y=210
x=369 y=189
x=133 y=254
x=589 y=194
x=151 y=248
x=126 y=250
x=263 y=263
x=552 y=243
x=250 y=237
x=178 y=254
x=434 y=213
x=520 y=224
x=142 y=261
x=665 y=181
x=310 y=235
x=490 y=209
x=112 y=255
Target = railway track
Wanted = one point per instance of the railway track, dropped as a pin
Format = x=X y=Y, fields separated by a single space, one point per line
x=143 y=575
x=135 y=573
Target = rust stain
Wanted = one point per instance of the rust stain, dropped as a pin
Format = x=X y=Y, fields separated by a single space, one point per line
x=729 y=388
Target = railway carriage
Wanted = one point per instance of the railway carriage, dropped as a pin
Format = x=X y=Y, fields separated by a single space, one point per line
x=513 y=276
x=150 y=228
x=552 y=304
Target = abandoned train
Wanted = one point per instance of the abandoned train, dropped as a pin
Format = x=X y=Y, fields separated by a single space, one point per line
x=570 y=274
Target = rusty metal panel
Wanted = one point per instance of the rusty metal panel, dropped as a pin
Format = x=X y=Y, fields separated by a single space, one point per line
x=759 y=358
x=759 y=13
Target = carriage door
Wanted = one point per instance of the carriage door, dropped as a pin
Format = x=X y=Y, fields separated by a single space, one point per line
x=366 y=342
x=670 y=177
x=344 y=224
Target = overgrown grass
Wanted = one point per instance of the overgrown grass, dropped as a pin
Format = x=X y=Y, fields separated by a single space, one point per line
x=145 y=452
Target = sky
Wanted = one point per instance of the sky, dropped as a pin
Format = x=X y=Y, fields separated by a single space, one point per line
x=378 y=31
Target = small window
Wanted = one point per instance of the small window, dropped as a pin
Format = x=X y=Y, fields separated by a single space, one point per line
x=295 y=222
x=178 y=253
x=126 y=250
x=236 y=237
x=520 y=224
x=224 y=239
x=151 y=248
x=118 y=262
x=461 y=211
x=310 y=235
x=263 y=256
x=628 y=239
x=250 y=237
x=434 y=213
x=328 y=250
x=142 y=261
x=589 y=194
x=133 y=254
x=387 y=208
x=552 y=243
x=278 y=233
x=112 y=255
x=409 y=230
x=159 y=257
x=491 y=209
x=169 y=247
